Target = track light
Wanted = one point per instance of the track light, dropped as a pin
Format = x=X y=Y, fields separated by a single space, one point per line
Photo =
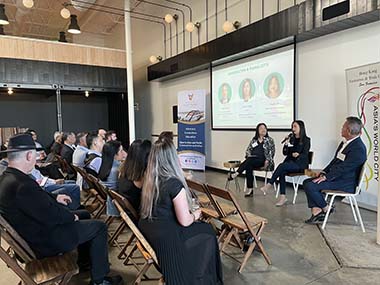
x=28 y=3
x=74 y=27
x=190 y=26
x=62 y=37
x=3 y=18
x=65 y=13
x=86 y=93
x=168 y=18
x=229 y=27
x=155 y=59
x=10 y=91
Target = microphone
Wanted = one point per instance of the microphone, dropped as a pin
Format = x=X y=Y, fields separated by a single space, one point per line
x=288 y=137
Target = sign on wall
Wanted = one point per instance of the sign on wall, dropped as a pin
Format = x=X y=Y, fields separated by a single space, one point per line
x=191 y=129
x=363 y=87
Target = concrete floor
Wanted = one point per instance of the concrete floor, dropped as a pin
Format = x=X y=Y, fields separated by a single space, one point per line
x=300 y=253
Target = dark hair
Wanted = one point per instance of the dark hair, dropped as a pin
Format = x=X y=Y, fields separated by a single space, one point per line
x=66 y=135
x=109 y=134
x=90 y=138
x=135 y=165
x=303 y=135
x=166 y=135
x=257 y=130
x=110 y=149
x=30 y=131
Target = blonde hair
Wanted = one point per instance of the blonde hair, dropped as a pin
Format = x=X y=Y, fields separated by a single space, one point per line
x=163 y=164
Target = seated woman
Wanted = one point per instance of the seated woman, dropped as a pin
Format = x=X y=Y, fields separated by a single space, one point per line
x=132 y=172
x=112 y=155
x=296 y=150
x=259 y=154
x=186 y=248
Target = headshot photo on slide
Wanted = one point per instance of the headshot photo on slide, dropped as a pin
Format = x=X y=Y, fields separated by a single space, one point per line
x=247 y=89
x=274 y=85
x=225 y=93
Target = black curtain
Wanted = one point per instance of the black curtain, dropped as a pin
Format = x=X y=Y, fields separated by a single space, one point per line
x=118 y=116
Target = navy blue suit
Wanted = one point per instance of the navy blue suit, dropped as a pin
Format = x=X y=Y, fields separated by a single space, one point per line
x=341 y=174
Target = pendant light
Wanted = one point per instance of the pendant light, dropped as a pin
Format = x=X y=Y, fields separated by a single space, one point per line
x=74 y=27
x=3 y=18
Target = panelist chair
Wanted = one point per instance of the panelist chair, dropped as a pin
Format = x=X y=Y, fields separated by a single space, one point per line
x=351 y=198
x=296 y=178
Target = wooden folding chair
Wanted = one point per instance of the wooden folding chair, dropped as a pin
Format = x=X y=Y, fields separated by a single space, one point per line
x=142 y=245
x=242 y=222
x=100 y=192
x=130 y=210
x=32 y=271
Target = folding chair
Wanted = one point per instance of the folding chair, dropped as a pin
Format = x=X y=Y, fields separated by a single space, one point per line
x=351 y=197
x=142 y=245
x=296 y=178
x=20 y=258
x=100 y=192
x=232 y=165
x=266 y=170
x=242 y=222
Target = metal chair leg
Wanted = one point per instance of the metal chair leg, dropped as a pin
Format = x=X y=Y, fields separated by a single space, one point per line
x=352 y=209
x=254 y=179
x=328 y=212
x=359 y=215
x=277 y=189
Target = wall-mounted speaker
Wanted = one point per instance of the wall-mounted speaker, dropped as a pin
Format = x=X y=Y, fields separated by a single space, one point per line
x=175 y=114
x=336 y=10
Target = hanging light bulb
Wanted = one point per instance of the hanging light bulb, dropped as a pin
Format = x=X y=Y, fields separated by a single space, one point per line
x=155 y=59
x=86 y=93
x=3 y=18
x=228 y=27
x=169 y=18
x=10 y=91
x=65 y=13
x=74 y=27
x=28 y=3
x=190 y=26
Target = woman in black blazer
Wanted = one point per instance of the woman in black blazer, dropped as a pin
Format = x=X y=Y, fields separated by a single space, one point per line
x=296 y=149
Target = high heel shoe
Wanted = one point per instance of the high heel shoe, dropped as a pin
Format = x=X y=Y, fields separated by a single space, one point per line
x=249 y=193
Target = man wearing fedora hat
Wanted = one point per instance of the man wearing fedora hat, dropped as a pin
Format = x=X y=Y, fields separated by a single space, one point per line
x=41 y=218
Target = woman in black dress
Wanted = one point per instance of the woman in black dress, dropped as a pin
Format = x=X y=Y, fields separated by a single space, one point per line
x=132 y=173
x=296 y=149
x=186 y=248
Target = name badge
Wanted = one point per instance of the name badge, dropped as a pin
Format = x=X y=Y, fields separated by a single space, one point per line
x=341 y=156
x=255 y=144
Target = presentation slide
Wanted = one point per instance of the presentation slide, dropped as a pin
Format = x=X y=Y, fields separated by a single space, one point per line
x=256 y=89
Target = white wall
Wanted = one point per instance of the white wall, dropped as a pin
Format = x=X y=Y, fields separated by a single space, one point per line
x=321 y=95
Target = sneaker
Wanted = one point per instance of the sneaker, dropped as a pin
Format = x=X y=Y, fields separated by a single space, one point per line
x=110 y=280
x=282 y=201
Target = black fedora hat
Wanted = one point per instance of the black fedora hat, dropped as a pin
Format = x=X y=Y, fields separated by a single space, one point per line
x=21 y=142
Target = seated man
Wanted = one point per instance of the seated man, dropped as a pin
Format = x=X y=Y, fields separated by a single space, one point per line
x=81 y=150
x=111 y=136
x=67 y=150
x=93 y=159
x=341 y=174
x=40 y=218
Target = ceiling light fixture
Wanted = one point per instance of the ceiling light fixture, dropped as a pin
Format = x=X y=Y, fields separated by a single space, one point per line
x=65 y=13
x=10 y=91
x=154 y=59
x=62 y=37
x=2 y=30
x=74 y=27
x=168 y=18
x=86 y=93
x=28 y=3
x=190 y=26
x=230 y=27
x=3 y=18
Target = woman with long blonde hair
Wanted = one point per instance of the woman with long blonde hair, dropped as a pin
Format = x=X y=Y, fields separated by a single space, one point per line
x=186 y=248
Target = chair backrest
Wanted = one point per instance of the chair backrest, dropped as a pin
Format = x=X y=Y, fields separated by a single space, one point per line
x=140 y=237
x=15 y=241
x=310 y=157
x=361 y=178
x=221 y=193
x=124 y=203
x=99 y=187
x=195 y=185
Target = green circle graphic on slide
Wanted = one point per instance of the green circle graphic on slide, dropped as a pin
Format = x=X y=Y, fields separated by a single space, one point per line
x=247 y=83
x=224 y=93
x=274 y=85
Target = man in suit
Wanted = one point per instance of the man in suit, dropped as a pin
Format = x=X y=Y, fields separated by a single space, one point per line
x=42 y=220
x=341 y=174
x=67 y=150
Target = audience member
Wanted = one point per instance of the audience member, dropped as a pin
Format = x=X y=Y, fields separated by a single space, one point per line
x=166 y=135
x=132 y=172
x=94 y=156
x=102 y=133
x=112 y=155
x=296 y=149
x=41 y=219
x=186 y=248
x=341 y=173
x=41 y=153
x=260 y=153
x=67 y=150
x=111 y=136
x=81 y=150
